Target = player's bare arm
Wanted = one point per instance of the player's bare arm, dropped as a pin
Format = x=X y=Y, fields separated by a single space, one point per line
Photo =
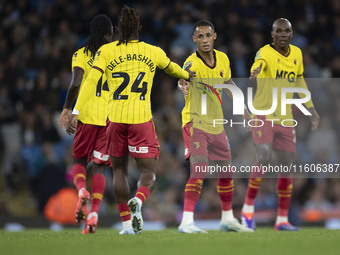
x=72 y=92
x=256 y=71
x=315 y=119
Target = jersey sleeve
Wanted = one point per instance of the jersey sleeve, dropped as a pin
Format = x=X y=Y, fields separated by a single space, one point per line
x=162 y=60
x=78 y=60
x=175 y=70
x=300 y=81
x=300 y=67
x=228 y=69
x=89 y=86
x=259 y=58
x=188 y=62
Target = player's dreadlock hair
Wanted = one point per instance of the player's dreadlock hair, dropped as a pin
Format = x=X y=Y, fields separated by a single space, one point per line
x=100 y=26
x=128 y=25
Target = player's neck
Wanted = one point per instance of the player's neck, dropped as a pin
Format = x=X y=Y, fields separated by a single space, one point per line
x=135 y=36
x=208 y=57
x=283 y=51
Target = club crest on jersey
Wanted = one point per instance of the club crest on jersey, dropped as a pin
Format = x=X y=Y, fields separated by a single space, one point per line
x=294 y=61
x=221 y=73
x=98 y=53
x=187 y=64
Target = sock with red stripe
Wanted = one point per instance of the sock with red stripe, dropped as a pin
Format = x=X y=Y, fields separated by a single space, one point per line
x=142 y=193
x=98 y=187
x=225 y=189
x=192 y=193
x=79 y=176
x=284 y=190
x=254 y=184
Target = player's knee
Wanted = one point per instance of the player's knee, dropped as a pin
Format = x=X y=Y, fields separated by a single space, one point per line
x=264 y=154
x=148 y=179
x=151 y=178
x=98 y=169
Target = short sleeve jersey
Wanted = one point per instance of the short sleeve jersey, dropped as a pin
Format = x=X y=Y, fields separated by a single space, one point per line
x=204 y=84
x=277 y=71
x=130 y=69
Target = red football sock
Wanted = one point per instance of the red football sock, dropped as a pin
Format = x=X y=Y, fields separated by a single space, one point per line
x=124 y=211
x=284 y=190
x=225 y=189
x=143 y=193
x=193 y=188
x=98 y=187
x=79 y=176
x=255 y=180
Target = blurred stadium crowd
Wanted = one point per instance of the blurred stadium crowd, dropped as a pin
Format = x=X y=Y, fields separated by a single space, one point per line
x=38 y=37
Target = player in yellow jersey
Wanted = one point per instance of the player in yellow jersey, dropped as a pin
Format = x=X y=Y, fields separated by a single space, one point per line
x=89 y=141
x=205 y=142
x=130 y=66
x=276 y=65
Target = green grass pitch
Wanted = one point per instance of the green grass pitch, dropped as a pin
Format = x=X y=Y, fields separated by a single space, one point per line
x=308 y=241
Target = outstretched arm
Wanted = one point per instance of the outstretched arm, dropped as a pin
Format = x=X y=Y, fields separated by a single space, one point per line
x=256 y=71
x=176 y=71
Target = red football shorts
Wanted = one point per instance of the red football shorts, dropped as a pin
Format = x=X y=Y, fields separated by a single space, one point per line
x=202 y=143
x=90 y=142
x=139 y=140
x=281 y=138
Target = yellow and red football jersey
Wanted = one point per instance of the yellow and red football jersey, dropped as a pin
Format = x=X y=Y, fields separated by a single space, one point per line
x=204 y=84
x=278 y=71
x=129 y=69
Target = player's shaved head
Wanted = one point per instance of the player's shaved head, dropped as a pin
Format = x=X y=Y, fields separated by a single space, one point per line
x=282 y=33
x=281 y=21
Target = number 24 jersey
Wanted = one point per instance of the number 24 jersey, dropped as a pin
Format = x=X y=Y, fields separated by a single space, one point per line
x=130 y=69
